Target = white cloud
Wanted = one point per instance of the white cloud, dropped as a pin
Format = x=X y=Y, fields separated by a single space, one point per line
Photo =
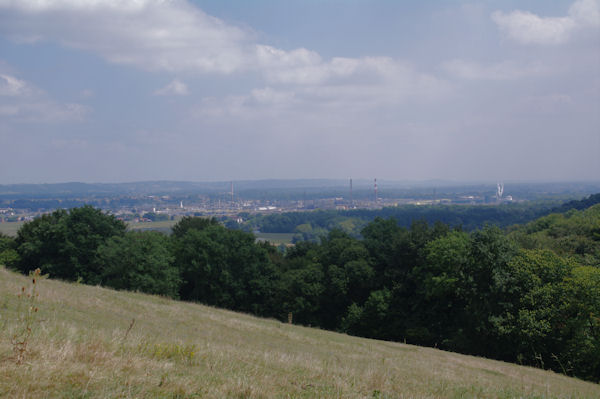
x=87 y=93
x=546 y=104
x=11 y=86
x=507 y=70
x=176 y=87
x=376 y=85
x=303 y=84
x=150 y=34
x=528 y=28
x=302 y=66
x=22 y=101
x=44 y=111
x=272 y=96
x=586 y=13
x=177 y=36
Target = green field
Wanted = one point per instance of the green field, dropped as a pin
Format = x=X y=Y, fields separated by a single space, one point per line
x=10 y=228
x=91 y=342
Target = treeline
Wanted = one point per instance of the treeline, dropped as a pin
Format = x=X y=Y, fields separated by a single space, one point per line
x=578 y=204
x=531 y=295
x=310 y=225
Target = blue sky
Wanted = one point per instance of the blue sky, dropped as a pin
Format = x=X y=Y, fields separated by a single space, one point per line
x=113 y=91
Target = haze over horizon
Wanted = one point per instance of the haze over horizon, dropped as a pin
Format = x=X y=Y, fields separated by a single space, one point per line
x=205 y=90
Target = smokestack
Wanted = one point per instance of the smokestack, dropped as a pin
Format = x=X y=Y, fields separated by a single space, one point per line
x=375 y=190
x=351 y=200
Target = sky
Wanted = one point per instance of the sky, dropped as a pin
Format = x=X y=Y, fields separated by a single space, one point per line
x=208 y=90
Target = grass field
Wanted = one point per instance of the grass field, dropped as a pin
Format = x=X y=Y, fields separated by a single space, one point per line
x=275 y=238
x=90 y=342
x=162 y=226
x=10 y=228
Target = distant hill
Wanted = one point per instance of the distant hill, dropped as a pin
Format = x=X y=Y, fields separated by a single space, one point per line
x=95 y=343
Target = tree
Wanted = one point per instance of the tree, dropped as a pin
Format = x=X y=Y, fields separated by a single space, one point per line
x=442 y=284
x=387 y=244
x=192 y=222
x=554 y=321
x=300 y=292
x=224 y=268
x=347 y=275
x=139 y=261
x=64 y=243
x=372 y=319
x=8 y=255
x=583 y=312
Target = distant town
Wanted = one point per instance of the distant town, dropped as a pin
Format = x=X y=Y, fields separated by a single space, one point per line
x=18 y=206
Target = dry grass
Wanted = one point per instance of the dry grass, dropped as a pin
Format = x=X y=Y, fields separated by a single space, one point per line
x=85 y=346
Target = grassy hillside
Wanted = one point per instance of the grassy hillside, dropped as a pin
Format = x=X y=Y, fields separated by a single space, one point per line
x=90 y=342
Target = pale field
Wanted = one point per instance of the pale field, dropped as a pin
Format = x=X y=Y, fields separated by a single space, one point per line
x=81 y=348
x=275 y=238
x=162 y=226
x=10 y=228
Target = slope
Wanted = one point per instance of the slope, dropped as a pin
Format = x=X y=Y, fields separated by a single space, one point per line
x=89 y=342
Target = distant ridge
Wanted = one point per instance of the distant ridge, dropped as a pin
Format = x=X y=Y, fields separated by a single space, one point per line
x=168 y=187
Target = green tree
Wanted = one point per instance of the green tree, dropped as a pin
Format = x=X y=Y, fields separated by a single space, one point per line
x=224 y=268
x=574 y=233
x=347 y=275
x=139 y=261
x=442 y=284
x=485 y=287
x=8 y=255
x=192 y=222
x=583 y=315
x=554 y=319
x=388 y=245
x=64 y=243
x=371 y=319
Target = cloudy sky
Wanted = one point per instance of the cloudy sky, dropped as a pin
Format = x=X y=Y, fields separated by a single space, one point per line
x=113 y=91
